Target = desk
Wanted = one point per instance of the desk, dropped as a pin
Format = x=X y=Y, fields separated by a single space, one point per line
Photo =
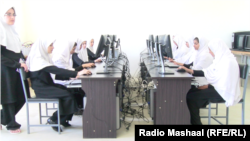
x=99 y=116
x=245 y=56
x=170 y=98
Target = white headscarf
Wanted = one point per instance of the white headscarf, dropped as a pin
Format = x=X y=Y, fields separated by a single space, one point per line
x=182 y=48
x=189 y=56
x=224 y=73
x=38 y=57
x=202 y=59
x=91 y=48
x=61 y=53
x=9 y=37
x=83 y=53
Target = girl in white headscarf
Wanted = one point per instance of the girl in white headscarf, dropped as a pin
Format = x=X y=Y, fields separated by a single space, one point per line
x=41 y=66
x=63 y=51
x=181 y=48
x=201 y=59
x=12 y=96
x=222 y=75
x=91 y=45
x=81 y=56
x=189 y=56
x=92 y=56
x=62 y=55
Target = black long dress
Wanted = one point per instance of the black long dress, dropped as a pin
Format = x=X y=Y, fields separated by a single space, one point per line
x=44 y=87
x=78 y=92
x=12 y=95
x=77 y=61
x=92 y=56
x=198 y=98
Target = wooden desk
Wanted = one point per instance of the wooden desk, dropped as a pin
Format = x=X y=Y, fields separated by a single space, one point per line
x=170 y=105
x=99 y=116
x=240 y=52
x=245 y=56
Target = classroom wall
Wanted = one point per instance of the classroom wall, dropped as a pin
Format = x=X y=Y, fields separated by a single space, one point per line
x=133 y=20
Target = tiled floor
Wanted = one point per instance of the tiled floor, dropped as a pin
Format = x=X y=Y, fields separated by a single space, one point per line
x=74 y=133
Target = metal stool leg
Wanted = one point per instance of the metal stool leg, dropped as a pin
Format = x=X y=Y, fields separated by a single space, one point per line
x=243 y=113
x=40 y=113
x=227 y=116
x=28 y=119
x=209 y=113
x=216 y=108
x=58 y=119
x=46 y=107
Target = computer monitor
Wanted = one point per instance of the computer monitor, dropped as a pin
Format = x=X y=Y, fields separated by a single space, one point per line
x=151 y=39
x=101 y=45
x=166 y=48
x=156 y=38
x=152 y=46
x=240 y=41
x=104 y=44
x=247 y=42
x=113 y=39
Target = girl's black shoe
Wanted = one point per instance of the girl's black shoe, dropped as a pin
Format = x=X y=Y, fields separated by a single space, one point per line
x=49 y=121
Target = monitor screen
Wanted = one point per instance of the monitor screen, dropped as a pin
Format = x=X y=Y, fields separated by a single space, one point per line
x=151 y=39
x=166 y=48
x=102 y=45
x=240 y=41
x=156 y=39
x=247 y=42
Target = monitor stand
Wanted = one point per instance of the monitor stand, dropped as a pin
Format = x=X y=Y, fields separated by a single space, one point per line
x=164 y=71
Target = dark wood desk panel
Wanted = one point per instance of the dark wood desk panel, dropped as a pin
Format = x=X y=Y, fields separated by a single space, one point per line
x=170 y=98
x=170 y=102
x=99 y=116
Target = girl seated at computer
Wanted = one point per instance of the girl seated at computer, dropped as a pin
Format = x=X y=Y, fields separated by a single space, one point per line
x=40 y=67
x=91 y=53
x=81 y=55
x=62 y=53
x=190 y=55
x=223 y=78
x=181 y=49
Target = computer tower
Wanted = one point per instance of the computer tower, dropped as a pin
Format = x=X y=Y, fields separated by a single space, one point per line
x=150 y=100
x=119 y=105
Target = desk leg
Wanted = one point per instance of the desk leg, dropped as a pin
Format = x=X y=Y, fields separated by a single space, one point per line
x=170 y=102
x=99 y=116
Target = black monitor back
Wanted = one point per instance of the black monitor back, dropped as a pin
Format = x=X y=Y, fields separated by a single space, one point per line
x=151 y=39
x=247 y=42
x=239 y=39
x=156 y=39
x=166 y=48
x=102 y=44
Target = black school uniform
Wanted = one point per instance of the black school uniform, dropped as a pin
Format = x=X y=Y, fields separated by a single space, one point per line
x=77 y=61
x=78 y=92
x=92 y=56
x=44 y=87
x=197 y=98
x=12 y=95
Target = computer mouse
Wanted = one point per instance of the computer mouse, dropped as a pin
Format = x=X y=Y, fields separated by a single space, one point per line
x=181 y=70
x=93 y=66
